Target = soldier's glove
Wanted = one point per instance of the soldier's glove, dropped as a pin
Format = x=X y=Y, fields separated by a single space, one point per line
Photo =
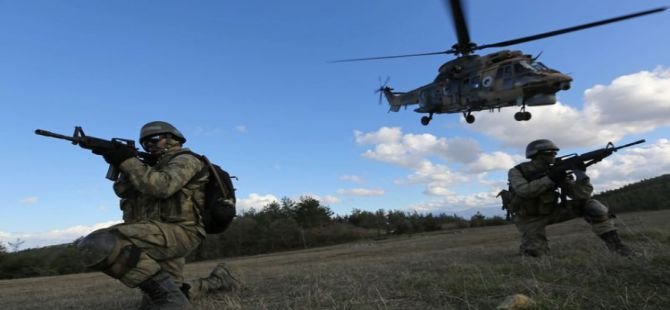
x=557 y=175
x=116 y=155
x=580 y=166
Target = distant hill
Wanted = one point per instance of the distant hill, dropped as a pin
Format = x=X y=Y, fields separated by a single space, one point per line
x=650 y=194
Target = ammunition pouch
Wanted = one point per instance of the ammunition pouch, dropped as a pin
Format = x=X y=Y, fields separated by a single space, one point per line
x=542 y=205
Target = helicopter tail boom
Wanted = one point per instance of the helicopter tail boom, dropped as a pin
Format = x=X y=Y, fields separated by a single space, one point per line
x=396 y=100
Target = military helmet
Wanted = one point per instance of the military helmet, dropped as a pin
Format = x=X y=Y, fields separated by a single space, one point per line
x=158 y=127
x=538 y=146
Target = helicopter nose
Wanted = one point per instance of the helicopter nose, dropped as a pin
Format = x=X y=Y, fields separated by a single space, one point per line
x=563 y=82
x=564 y=85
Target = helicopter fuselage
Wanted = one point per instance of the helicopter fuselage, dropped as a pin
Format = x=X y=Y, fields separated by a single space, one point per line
x=475 y=83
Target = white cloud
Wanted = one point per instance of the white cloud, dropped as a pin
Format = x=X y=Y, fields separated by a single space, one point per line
x=361 y=192
x=383 y=135
x=52 y=237
x=408 y=150
x=631 y=165
x=428 y=172
x=638 y=101
x=493 y=161
x=451 y=201
x=324 y=200
x=330 y=200
x=255 y=201
x=631 y=104
x=29 y=200
x=351 y=178
x=241 y=128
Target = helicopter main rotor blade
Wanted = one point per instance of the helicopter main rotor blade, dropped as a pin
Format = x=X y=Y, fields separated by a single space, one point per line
x=570 y=29
x=451 y=51
x=464 y=45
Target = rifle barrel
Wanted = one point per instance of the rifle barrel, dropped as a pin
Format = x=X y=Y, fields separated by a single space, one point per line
x=47 y=133
x=631 y=144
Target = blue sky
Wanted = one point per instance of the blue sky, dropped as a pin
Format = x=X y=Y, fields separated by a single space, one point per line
x=250 y=85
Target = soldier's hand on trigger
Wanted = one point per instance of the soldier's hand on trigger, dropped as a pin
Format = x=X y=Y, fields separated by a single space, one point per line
x=116 y=155
x=557 y=175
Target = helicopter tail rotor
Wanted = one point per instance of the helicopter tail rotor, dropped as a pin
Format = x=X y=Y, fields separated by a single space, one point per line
x=383 y=88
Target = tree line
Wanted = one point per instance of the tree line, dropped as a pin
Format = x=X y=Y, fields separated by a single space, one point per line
x=647 y=194
x=288 y=224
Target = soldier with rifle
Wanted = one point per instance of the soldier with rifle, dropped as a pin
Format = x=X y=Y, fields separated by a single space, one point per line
x=160 y=192
x=538 y=196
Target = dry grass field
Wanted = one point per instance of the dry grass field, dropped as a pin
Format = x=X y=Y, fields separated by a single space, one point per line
x=460 y=269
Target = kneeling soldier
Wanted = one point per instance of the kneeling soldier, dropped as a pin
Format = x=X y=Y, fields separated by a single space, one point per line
x=536 y=201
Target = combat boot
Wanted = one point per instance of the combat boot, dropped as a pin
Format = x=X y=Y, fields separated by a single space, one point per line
x=614 y=244
x=219 y=280
x=163 y=293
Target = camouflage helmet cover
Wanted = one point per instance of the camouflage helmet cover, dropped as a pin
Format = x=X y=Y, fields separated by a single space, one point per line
x=159 y=127
x=538 y=146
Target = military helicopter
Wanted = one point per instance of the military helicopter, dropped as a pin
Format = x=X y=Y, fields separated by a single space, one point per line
x=471 y=83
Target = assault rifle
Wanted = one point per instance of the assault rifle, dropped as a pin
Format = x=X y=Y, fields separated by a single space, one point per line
x=573 y=161
x=98 y=145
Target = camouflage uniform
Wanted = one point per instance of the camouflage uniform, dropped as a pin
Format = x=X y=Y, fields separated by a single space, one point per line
x=160 y=212
x=162 y=224
x=536 y=205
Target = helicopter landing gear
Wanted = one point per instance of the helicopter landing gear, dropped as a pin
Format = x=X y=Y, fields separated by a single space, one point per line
x=469 y=118
x=522 y=115
x=425 y=120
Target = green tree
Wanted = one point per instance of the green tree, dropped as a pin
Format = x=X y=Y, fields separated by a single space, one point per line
x=477 y=220
x=285 y=233
x=381 y=222
x=3 y=251
x=364 y=219
x=398 y=223
x=310 y=213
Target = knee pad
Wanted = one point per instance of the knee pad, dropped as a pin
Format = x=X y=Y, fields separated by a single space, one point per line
x=595 y=211
x=97 y=247
x=127 y=259
x=105 y=251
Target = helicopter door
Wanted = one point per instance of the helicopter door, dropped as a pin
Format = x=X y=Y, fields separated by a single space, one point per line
x=505 y=73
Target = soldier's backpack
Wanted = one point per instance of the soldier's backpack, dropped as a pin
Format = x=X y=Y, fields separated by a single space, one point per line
x=219 y=209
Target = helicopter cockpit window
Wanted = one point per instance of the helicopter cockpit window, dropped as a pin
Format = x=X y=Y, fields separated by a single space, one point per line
x=523 y=66
x=539 y=66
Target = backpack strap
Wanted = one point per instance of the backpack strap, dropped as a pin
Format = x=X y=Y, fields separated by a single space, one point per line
x=208 y=166
x=518 y=167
